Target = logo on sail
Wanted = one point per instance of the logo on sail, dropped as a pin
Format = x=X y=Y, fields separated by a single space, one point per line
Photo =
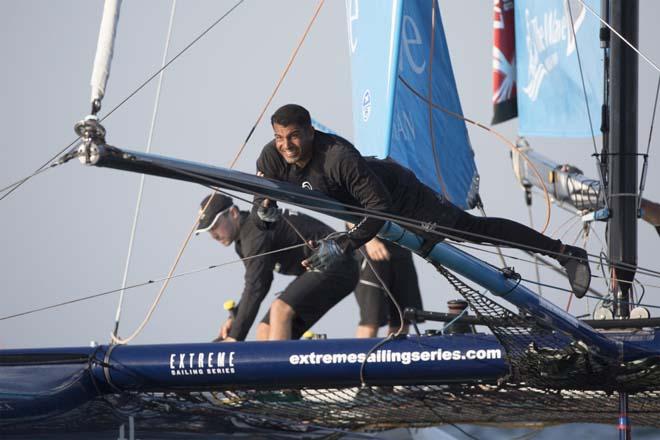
x=543 y=38
x=307 y=185
x=366 y=105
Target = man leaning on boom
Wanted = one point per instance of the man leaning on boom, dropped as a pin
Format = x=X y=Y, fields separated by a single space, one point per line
x=301 y=155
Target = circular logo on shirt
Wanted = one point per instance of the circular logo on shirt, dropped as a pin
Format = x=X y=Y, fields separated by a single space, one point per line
x=366 y=105
x=307 y=185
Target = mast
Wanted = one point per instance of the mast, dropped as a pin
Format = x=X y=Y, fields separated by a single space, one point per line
x=622 y=176
x=622 y=196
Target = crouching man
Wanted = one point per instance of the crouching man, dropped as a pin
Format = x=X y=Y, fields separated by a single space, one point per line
x=264 y=250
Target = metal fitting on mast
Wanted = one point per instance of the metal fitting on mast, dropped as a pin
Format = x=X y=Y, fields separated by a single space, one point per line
x=92 y=134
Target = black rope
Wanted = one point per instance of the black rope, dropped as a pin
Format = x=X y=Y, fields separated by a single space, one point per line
x=207 y=30
x=20 y=182
x=655 y=106
x=403 y=221
x=191 y=272
x=584 y=87
x=384 y=286
x=464 y=432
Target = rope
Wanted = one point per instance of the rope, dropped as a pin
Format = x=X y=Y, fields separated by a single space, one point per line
x=642 y=181
x=279 y=82
x=507 y=142
x=366 y=258
x=436 y=158
x=138 y=203
x=145 y=283
x=536 y=261
x=20 y=182
x=499 y=250
x=344 y=208
x=147 y=81
x=586 y=100
x=620 y=36
x=184 y=245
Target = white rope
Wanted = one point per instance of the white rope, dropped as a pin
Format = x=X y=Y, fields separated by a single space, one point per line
x=117 y=340
x=104 y=48
x=138 y=203
x=620 y=36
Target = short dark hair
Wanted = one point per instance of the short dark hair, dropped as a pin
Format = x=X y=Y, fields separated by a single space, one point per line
x=291 y=114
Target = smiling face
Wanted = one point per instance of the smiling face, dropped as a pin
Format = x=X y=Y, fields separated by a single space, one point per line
x=294 y=143
x=227 y=227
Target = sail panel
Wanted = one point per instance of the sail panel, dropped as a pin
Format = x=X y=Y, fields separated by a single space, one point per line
x=373 y=33
x=426 y=139
x=412 y=126
x=550 y=94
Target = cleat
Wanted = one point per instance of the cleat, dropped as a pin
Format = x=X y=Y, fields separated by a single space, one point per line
x=576 y=262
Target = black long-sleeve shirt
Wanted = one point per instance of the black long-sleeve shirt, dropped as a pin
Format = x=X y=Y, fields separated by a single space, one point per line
x=254 y=240
x=338 y=170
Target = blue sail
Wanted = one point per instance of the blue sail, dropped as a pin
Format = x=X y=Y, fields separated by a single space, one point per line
x=402 y=84
x=550 y=94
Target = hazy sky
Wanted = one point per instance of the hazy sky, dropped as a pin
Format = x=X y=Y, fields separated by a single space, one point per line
x=65 y=233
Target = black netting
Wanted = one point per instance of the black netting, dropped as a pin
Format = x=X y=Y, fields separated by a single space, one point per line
x=552 y=379
x=542 y=357
x=349 y=409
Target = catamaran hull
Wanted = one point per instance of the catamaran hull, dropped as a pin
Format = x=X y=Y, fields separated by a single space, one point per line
x=36 y=383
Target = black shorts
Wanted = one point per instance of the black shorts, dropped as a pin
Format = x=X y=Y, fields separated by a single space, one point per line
x=312 y=294
x=400 y=277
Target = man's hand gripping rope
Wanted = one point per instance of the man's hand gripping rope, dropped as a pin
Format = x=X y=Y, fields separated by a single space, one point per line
x=327 y=253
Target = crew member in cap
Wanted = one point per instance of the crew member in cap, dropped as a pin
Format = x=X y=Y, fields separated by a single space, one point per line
x=306 y=299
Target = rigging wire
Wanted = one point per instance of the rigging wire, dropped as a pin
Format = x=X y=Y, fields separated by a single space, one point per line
x=462 y=245
x=184 y=245
x=528 y=197
x=499 y=250
x=138 y=202
x=506 y=141
x=279 y=82
x=436 y=157
x=215 y=266
x=19 y=182
x=371 y=266
x=390 y=336
x=127 y=98
x=620 y=36
x=550 y=286
x=642 y=181
x=586 y=101
x=344 y=208
x=439 y=175
x=463 y=431
x=152 y=281
x=375 y=272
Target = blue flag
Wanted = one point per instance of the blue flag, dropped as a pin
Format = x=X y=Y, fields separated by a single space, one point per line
x=550 y=94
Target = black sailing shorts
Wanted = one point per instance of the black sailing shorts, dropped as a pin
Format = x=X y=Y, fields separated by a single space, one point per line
x=400 y=277
x=312 y=294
